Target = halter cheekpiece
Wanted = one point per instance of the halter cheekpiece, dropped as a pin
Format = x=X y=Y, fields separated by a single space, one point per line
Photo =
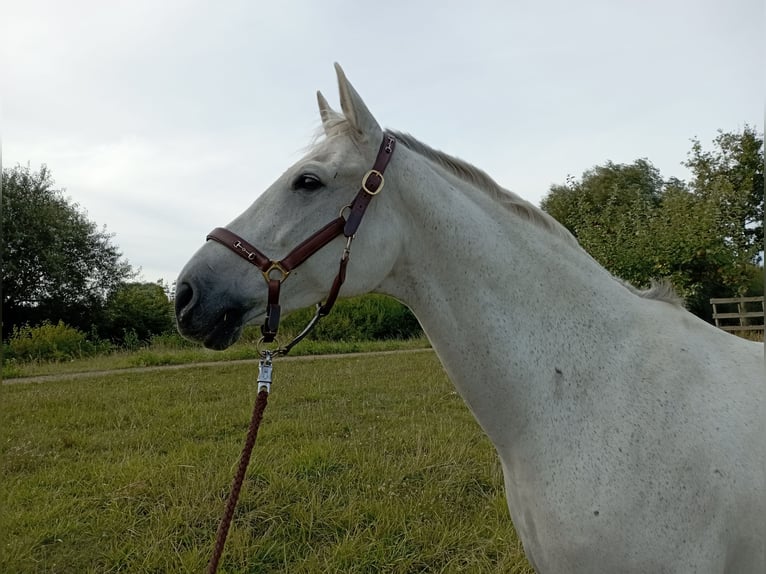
x=275 y=272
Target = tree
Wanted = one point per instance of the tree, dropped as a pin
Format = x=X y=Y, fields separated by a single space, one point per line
x=731 y=178
x=641 y=227
x=143 y=308
x=609 y=211
x=683 y=244
x=57 y=264
x=603 y=188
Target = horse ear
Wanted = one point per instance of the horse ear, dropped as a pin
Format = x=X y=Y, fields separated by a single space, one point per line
x=354 y=108
x=325 y=111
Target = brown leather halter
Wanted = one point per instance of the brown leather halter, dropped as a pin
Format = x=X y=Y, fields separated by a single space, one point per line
x=275 y=272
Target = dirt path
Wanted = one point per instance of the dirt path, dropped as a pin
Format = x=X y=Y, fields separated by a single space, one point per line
x=89 y=374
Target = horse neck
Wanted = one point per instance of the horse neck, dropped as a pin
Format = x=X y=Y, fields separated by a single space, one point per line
x=504 y=301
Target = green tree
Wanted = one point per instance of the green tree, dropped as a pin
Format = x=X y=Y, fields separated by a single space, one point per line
x=641 y=227
x=601 y=189
x=682 y=243
x=609 y=210
x=57 y=264
x=143 y=308
x=730 y=177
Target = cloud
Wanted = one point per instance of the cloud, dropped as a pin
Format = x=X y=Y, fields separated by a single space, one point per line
x=166 y=119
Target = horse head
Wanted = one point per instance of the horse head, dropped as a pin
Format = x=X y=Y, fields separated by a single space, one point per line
x=218 y=292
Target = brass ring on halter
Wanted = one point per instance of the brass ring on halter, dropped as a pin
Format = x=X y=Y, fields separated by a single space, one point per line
x=344 y=208
x=366 y=177
x=262 y=351
x=276 y=266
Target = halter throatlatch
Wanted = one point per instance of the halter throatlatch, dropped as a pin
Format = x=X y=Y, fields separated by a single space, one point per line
x=275 y=272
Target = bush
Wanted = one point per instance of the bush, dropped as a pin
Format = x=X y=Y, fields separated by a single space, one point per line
x=48 y=342
x=130 y=340
x=136 y=312
x=367 y=318
x=170 y=341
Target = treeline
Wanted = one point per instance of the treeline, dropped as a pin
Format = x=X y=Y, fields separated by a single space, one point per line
x=67 y=289
x=705 y=235
x=57 y=264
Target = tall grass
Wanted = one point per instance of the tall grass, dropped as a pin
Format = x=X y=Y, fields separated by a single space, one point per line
x=750 y=335
x=363 y=465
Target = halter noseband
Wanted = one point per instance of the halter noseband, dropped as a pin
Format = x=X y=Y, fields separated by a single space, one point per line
x=275 y=272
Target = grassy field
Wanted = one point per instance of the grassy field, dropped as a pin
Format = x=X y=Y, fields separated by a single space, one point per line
x=160 y=355
x=363 y=464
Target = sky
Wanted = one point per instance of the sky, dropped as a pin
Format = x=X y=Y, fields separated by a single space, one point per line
x=166 y=119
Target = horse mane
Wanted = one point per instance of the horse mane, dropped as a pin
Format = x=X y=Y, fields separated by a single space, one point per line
x=480 y=179
x=337 y=125
x=659 y=290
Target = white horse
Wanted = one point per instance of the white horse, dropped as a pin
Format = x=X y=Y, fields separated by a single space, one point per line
x=631 y=433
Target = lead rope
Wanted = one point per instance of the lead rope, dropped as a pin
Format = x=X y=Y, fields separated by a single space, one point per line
x=372 y=183
x=264 y=387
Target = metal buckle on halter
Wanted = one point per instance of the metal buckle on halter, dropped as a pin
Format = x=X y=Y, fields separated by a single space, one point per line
x=250 y=254
x=367 y=176
x=390 y=140
x=276 y=266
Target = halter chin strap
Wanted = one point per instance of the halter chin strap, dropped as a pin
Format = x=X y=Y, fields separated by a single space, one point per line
x=275 y=272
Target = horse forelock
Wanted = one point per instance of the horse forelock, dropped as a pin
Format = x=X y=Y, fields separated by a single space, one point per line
x=333 y=126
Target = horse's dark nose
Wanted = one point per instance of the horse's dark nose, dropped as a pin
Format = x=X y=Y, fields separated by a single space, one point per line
x=213 y=318
x=186 y=299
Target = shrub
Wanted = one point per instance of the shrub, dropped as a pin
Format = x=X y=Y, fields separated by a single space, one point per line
x=367 y=318
x=130 y=340
x=170 y=341
x=48 y=342
x=136 y=311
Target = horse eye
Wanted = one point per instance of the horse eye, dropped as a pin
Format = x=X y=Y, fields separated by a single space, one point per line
x=307 y=182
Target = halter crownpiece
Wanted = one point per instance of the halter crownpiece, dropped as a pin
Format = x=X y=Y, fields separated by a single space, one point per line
x=275 y=272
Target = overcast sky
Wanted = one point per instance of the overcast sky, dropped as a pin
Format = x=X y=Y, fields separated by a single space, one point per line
x=166 y=119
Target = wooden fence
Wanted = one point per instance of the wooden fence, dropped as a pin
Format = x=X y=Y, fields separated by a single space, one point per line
x=747 y=317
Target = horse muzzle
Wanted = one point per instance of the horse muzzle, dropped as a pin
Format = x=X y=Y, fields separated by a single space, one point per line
x=214 y=319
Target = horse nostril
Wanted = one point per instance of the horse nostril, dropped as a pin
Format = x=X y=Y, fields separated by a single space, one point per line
x=185 y=300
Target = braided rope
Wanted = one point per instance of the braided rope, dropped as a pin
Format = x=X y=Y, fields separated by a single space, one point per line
x=239 y=477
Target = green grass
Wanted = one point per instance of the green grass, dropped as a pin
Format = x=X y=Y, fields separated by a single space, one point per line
x=158 y=355
x=363 y=464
